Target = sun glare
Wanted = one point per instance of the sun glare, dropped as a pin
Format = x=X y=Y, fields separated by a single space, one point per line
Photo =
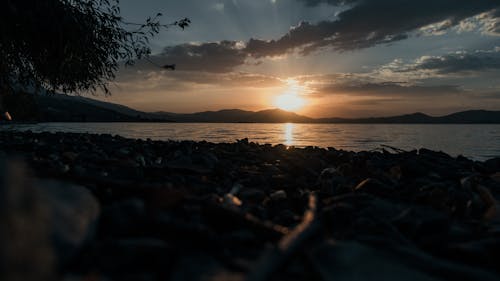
x=290 y=100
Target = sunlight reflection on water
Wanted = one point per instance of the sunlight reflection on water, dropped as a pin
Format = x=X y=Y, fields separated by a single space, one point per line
x=288 y=134
x=477 y=141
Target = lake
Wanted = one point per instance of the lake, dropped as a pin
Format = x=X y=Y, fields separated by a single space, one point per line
x=475 y=141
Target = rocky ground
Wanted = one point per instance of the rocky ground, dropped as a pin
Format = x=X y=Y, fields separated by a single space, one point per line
x=102 y=207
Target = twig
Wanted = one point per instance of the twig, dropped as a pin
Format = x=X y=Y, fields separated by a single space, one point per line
x=395 y=149
x=276 y=258
x=222 y=216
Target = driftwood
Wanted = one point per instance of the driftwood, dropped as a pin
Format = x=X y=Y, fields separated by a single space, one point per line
x=289 y=245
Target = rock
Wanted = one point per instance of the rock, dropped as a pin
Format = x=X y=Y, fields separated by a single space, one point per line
x=492 y=208
x=208 y=160
x=132 y=255
x=140 y=159
x=349 y=260
x=331 y=182
x=26 y=252
x=433 y=154
x=352 y=261
x=395 y=172
x=496 y=177
x=123 y=217
x=231 y=200
x=424 y=225
x=44 y=223
x=252 y=195
x=286 y=217
x=74 y=216
x=479 y=252
x=374 y=187
x=278 y=195
x=69 y=156
x=123 y=152
x=201 y=211
x=236 y=189
x=492 y=165
x=159 y=160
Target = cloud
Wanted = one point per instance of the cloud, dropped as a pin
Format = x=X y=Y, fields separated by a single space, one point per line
x=490 y=22
x=371 y=22
x=492 y=95
x=221 y=56
x=456 y=63
x=363 y=24
x=231 y=79
x=219 y=7
x=387 y=89
x=312 y=3
x=163 y=80
x=376 y=101
x=372 y=85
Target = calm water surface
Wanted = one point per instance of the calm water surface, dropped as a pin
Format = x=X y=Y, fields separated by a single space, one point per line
x=476 y=141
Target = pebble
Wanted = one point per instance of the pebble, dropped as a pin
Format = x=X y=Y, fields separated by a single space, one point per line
x=278 y=195
x=153 y=210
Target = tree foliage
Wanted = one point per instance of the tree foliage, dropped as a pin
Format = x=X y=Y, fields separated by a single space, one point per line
x=69 y=45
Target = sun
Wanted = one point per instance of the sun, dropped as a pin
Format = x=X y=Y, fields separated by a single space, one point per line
x=290 y=98
x=289 y=102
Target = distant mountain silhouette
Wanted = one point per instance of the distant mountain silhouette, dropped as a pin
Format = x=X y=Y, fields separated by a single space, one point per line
x=464 y=117
x=238 y=116
x=281 y=116
x=64 y=108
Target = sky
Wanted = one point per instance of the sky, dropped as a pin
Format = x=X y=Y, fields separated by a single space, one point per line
x=320 y=58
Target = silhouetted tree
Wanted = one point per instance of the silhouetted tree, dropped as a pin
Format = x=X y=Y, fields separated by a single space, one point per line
x=68 y=45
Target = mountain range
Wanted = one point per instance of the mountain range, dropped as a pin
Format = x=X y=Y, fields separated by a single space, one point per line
x=64 y=108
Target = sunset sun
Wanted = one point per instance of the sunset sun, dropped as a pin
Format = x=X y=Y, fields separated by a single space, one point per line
x=290 y=99
x=289 y=102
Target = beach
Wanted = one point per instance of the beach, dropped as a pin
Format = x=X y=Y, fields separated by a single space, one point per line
x=184 y=210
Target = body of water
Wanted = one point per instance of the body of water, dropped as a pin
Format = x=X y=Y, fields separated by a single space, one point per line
x=476 y=141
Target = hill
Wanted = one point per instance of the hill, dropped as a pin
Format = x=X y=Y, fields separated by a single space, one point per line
x=238 y=116
x=65 y=108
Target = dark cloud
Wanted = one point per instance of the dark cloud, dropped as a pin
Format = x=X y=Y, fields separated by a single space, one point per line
x=221 y=56
x=495 y=95
x=375 y=101
x=312 y=3
x=230 y=79
x=491 y=22
x=459 y=62
x=364 y=24
x=387 y=89
x=371 y=22
x=180 y=80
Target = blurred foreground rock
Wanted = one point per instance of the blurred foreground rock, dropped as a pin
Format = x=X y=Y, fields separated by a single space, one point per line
x=44 y=223
x=242 y=211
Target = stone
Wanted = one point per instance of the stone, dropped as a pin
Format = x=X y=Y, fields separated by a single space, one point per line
x=352 y=261
x=375 y=187
x=202 y=210
x=231 y=200
x=331 y=181
x=278 y=195
x=44 y=223
x=492 y=165
x=123 y=217
x=252 y=195
x=69 y=156
x=131 y=255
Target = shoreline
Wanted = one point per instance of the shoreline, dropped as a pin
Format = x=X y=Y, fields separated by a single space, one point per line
x=244 y=210
x=249 y=122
